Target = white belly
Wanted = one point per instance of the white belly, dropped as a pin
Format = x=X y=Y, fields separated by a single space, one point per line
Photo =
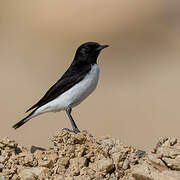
x=75 y=95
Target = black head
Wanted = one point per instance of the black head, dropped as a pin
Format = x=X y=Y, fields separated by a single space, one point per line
x=88 y=52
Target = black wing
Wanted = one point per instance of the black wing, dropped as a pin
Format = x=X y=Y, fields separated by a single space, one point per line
x=73 y=75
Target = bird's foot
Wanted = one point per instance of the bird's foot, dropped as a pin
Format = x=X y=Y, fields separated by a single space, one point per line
x=76 y=130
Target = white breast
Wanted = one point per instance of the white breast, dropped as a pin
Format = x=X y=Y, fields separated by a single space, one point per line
x=75 y=95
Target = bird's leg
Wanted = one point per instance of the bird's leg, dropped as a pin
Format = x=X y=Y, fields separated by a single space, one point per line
x=74 y=126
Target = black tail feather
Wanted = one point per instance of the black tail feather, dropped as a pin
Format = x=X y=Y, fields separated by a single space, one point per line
x=23 y=121
x=34 y=106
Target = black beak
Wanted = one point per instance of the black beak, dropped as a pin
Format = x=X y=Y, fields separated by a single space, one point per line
x=102 y=47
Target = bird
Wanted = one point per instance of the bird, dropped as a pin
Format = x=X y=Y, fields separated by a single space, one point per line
x=75 y=85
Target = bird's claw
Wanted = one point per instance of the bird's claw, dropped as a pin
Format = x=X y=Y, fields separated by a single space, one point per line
x=72 y=131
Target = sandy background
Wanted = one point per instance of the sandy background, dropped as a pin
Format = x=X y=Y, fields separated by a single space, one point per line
x=138 y=95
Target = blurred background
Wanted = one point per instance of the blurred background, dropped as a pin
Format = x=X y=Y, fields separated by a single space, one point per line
x=138 y=95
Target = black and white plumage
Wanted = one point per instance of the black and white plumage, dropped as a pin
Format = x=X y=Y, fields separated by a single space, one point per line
x=77 y=83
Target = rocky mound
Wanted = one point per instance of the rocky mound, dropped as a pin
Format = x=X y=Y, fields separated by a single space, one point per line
x=82 y=156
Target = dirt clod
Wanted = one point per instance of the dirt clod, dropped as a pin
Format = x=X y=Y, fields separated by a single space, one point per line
x=83 y=156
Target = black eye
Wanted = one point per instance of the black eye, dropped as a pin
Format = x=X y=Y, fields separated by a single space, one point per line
x=87 y=48
x=84 y=50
